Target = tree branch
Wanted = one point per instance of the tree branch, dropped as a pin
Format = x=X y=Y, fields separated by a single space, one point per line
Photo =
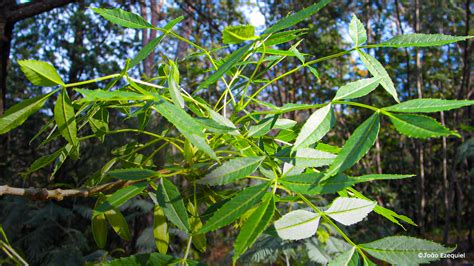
x=22 y=11
x=58 y=194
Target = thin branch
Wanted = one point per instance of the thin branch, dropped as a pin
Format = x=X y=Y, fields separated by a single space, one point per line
x=23 y=11
x=58 y=194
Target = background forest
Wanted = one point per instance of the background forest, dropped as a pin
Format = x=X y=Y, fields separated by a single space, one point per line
x=439 y=199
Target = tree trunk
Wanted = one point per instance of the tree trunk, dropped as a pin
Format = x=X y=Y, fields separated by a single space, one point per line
x=6 y=29
x=445 y=187
x=10 y=13
x=421 y=155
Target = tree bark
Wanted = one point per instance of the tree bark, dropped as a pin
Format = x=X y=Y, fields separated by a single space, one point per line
x=445 y=187
x=10 y=13
x=421 y=155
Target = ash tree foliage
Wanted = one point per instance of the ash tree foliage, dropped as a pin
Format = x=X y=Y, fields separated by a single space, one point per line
x=238 y=160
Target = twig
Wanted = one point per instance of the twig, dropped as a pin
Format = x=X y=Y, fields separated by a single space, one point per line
x=58 y=194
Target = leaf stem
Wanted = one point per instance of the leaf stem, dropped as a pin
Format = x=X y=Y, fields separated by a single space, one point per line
x=375 y=109
x=90 y=81
x=294 y=70
x=186 y=253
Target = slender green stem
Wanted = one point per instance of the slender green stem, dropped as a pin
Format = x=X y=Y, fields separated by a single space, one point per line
x=375 y=109
x=125 y=130
x=258 y=177
x=356 y=104
x=312 y=62
x=146 y=83
x=294 y=70
x=269 y=83
x=91 y=81
x=260 y=60
x=188 y=247
x=196 y=46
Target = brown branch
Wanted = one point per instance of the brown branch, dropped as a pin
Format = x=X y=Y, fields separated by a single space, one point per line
x=58 y=194
x=22 y=11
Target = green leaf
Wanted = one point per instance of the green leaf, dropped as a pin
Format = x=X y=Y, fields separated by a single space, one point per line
x=357 y=31
x=297 y=17
x=284 y=123
x=238 y=34
x=188 y=126
x=232 y=170
x=118 y=223
x=106 y=96
x=420 y=40
x=419 y=126
x=297 y=53
x=99 y=230
x=349 y=211
x=298 y=224
x=307 y=157
x=42 y=162
x=151 y=46
x=377 y=70
x=357 y=89
x=213 y=126
x=235 y=207
x=160 y=230
x=313 y=183
x=315 y=128
x=99 y=123
x=173 y=85
x=172 y=203
x=347 y=258
x=132 y=173
x=403 y=250
x=64 y=116
x=123 y=18
x=254 y=226
x=372 y=177
x=61 y=158
x=393 y=216
x=388 y=214
x=40 y=73
x=427 y=105
x=227 y=65
x=284 y=37
x=120 y=196
x=263 y=127
x=224 y=121
x=18 y=113
x=356 y=146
